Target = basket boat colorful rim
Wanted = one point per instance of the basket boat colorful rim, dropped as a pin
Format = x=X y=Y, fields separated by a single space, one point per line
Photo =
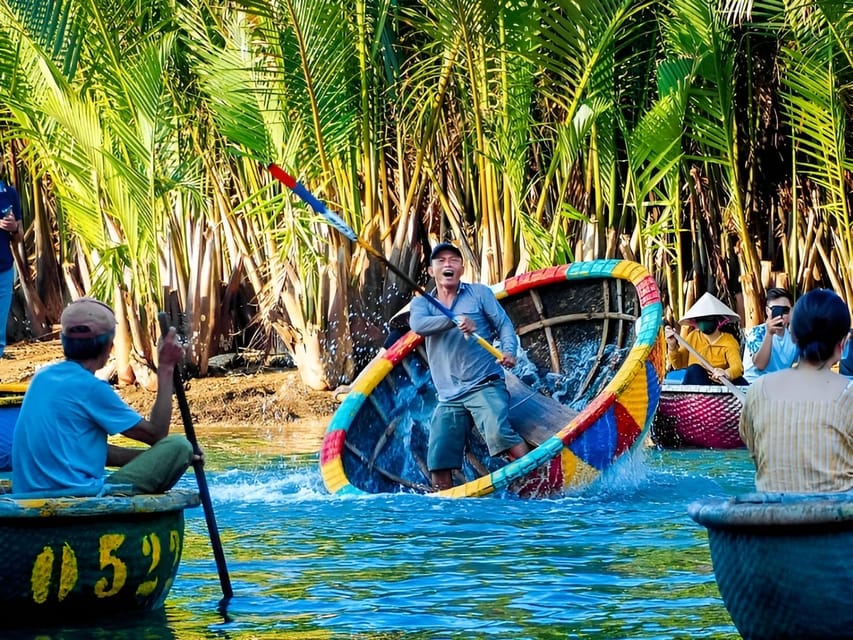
x=703 y=416
x=609 y=310
x=89 y=557
x=12 y=393
x=782 y=562
x=11 y=397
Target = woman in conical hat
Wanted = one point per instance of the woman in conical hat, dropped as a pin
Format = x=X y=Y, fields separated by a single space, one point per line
x=721 y=350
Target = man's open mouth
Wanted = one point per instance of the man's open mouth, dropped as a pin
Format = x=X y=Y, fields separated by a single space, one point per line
x=447 y=273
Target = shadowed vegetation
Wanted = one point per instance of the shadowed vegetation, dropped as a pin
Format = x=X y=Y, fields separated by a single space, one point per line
x=707 y=140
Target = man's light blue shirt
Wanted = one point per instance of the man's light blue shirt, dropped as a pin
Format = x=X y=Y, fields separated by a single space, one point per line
x=60 y=440
x=783 y=353
x=458 y=365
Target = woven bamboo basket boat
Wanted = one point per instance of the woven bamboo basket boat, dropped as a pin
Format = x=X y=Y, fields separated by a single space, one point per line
x=702 y=416
x=783 y=563
x=588 y=388
x=87 y=558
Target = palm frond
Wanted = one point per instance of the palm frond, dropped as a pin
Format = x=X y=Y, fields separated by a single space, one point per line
x=654 y=148
x=814 y=109
x=577 y=41
x=838 y=18
x=695 y=33
x=246 y=109
x=328 y=59
x=58 y=27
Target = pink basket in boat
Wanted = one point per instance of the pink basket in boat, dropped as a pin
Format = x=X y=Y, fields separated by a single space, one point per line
x=704 y=416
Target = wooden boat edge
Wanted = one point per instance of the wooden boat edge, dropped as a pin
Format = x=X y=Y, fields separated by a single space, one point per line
x=25 y=507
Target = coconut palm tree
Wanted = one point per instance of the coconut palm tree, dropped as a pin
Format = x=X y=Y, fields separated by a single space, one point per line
x=109 y=140
x=530 y=133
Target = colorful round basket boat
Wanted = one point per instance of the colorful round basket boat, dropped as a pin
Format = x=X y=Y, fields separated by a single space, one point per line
x=85 y=558
x=583 y=397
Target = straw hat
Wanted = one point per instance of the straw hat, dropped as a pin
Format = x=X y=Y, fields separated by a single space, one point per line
x=706 y=306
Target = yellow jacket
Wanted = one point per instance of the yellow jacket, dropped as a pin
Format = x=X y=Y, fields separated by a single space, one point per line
x=723 y=353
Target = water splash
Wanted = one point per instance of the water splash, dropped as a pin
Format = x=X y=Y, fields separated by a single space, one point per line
x=579 y=386
x=277 y=484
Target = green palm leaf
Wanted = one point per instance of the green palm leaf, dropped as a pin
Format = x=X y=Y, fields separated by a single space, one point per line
x=816 y=64
x=58 y=27
x=246 y=109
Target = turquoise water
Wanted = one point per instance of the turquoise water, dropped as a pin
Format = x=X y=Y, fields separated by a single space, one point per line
x=620 y=559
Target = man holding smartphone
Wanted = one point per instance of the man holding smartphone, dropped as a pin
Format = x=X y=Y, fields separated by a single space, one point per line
x=11 y=229
x=769 y=346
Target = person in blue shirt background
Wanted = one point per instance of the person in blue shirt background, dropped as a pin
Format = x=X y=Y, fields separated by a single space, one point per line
x=769 y=347
x=11 y=230
x=845 y=365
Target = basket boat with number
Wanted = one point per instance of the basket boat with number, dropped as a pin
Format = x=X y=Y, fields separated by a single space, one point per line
x=83 y=557
x=88 y=557
x=582 y=396
x=782 y=563
x=702 y=416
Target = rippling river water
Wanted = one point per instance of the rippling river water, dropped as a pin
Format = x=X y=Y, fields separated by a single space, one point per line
x=620 y=559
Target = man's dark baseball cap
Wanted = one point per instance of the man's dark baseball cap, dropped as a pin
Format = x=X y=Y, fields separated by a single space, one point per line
x=443 y=246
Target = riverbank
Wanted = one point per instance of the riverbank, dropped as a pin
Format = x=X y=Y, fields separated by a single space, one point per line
x=252 y=395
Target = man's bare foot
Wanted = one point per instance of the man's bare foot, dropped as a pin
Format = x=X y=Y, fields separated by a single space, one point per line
x=518 y=451
x=442 y=479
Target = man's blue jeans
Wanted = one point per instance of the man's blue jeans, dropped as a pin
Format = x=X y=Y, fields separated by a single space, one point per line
x=7 y=281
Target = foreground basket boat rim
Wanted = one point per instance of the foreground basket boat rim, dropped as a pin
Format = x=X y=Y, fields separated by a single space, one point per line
x=765 y=510
x=112 y=505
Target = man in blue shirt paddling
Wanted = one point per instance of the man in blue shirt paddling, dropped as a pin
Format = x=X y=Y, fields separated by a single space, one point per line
x=469 y=380
x=60 y=445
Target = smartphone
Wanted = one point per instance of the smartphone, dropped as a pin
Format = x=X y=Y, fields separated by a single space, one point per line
x=775 y=311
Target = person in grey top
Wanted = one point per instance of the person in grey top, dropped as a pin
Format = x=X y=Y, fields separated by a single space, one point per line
x=469 y=380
